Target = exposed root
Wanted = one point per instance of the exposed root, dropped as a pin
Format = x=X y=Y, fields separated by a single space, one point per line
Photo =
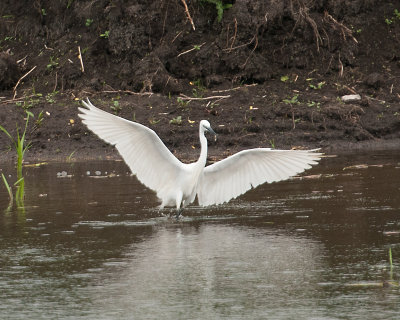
x=240 y=46
x=233 y=38
x=255 y=47
x=313 y=24
x=300 y=12
x=346 y=32
x=300 y=15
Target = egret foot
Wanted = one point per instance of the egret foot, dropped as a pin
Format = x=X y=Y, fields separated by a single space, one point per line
x=178 y=213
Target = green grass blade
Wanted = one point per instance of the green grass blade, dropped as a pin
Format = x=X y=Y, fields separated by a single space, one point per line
x=7 y=133
x=7 y=186
x=30 y=114
x=390 y=257
x=17 y=183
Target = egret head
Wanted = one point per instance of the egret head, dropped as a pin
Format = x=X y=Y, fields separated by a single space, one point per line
x=205 y=126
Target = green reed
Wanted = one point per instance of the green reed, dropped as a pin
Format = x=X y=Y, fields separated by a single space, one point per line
x=20 y=147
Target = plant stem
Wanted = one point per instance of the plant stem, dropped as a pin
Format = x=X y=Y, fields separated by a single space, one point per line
x=391 y=263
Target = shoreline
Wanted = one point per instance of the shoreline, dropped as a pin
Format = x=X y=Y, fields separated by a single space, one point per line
x=338 y=149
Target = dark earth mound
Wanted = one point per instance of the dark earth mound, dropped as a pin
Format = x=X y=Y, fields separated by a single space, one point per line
x=264 y=73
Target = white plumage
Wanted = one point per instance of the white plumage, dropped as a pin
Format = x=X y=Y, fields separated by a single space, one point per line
x=177 y=183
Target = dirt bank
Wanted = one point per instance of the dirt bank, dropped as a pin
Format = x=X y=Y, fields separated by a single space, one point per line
x=264 y=73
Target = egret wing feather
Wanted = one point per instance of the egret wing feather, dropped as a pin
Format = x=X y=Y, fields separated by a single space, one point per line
x=233 y=176
x=140 y=147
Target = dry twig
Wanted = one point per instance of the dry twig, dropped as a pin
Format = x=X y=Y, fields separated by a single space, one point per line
x=236 y=88
x=188 y=14
x=21 y=60
x=176 y=37
x=340 y=67
x=129 y=92
x=184 y=97
x=80 y=59
x=19 y=81
x=350 y=89
x=55 y=83
x=16 y=100
x=196 y=47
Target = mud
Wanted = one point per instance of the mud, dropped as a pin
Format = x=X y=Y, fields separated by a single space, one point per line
x=269 y=73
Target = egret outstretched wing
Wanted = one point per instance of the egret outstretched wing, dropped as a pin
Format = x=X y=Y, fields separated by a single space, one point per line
x=247 y=169
x=143 y=151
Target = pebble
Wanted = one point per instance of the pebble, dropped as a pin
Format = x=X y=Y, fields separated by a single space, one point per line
x=62 y=174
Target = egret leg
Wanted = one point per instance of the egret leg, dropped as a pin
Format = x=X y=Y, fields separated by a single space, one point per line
x=178 y=213
x=179 y=204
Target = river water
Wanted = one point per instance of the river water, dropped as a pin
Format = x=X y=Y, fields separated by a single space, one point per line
x=90 y=243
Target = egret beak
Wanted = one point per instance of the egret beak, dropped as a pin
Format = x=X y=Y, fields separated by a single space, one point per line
x=209 y=129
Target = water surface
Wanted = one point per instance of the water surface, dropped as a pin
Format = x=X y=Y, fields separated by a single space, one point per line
x=91 y=243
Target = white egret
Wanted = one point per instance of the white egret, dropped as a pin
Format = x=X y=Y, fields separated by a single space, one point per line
x=178 y=184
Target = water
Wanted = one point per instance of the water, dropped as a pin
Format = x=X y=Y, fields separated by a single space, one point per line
x=94 y=246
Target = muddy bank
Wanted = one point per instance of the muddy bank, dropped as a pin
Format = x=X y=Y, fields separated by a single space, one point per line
x=336 y=127
x=264 y=73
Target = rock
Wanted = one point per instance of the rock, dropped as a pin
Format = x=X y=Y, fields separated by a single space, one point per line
x=351 y=98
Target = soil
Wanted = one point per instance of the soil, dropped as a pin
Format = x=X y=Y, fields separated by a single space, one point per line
x=265 y=73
